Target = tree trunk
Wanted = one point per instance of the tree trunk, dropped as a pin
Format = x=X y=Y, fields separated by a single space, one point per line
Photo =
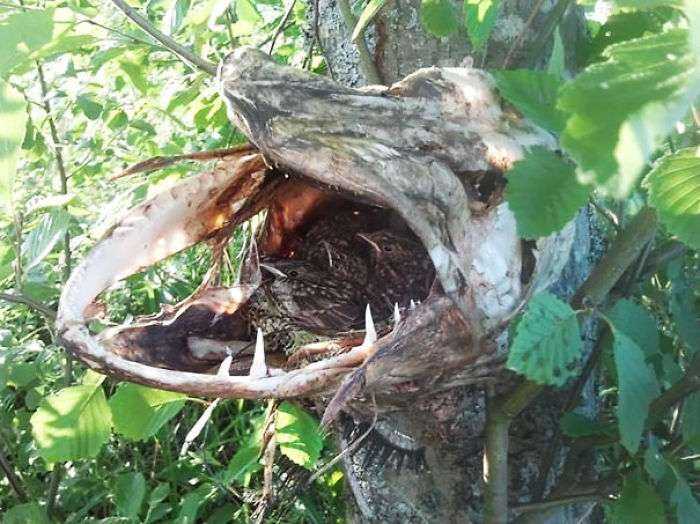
x=440 y=441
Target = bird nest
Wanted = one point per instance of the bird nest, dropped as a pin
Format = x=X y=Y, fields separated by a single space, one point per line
x=421 y=159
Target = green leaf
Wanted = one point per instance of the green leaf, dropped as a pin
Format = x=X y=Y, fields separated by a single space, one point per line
x=135 y=74
x=621 y=109
x=690 y=419
x=129 y=492
x=139 y=412
x=577 y=425
x=298 y=435
x=368 y=13
x=557 y=61
x=118 y=121
x=20 y=34
x=13 y=122
x=245 y=461
x=674 y=190
x=543 y=193
x=626 y=26
x=637 y=387
x=438 y=17
x=174 y=16
x=72 y=424
x=41 y=240
x=26 y=513
x=65 y=43
x=638 y=503
x=534 y=93
x=547 y=343
x=637 y=323
x=481 y=16
x=646 y=4
x=189 y=507
x=89 y=107
x=687 y=506
x=682 y=306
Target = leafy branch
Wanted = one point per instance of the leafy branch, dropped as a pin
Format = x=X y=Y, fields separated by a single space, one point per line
x=503 y=410
x=169 y=43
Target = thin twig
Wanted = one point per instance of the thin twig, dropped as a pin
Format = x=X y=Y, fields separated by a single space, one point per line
x=519 y=40
x=627 y=247
x=349 y=449
x=180 y=50
x=607 y=214
x=367 y=65
x=161 y=162
x=49 y=313
x=58 y=152
x=500 y=414
x=12 y=478
x=557 y=502
x=282 y=24
x=67 y=267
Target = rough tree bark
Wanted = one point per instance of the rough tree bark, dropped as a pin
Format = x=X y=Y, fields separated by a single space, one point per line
x=447 y=429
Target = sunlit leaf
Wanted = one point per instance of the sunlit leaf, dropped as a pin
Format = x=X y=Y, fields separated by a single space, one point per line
x=139 y=412
x=13 y=117
x=674 y=190
x=621 y=109
x=21 y=33
x=481 y=16
x=547 y=343
x=543 y=193
x=136 y=75
x=534 y=93
x=439 y=17
x=72 y=423
x=298 y=435
x=41 y=240
x=89 y=107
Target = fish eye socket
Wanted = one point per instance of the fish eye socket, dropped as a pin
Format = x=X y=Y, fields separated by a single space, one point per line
x=294 y=273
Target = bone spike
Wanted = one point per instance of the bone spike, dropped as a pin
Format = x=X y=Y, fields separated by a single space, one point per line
x=225 y=366
x=370 y=330
x=258 y=368
x=397 y=313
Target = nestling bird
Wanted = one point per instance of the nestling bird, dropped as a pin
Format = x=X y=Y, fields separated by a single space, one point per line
x=399 y=270
x=296 y=296
x=332 y=244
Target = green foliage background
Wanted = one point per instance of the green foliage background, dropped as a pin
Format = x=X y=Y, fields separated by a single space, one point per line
x=84 y=93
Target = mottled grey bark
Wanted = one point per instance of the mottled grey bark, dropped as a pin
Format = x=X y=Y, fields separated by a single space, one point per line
x=447 y=429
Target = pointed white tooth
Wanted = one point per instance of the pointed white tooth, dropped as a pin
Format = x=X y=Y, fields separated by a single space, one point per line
x=397 y=313
x=412 y=305
x=225 y=366
x=258 y=368
x=370 y=330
